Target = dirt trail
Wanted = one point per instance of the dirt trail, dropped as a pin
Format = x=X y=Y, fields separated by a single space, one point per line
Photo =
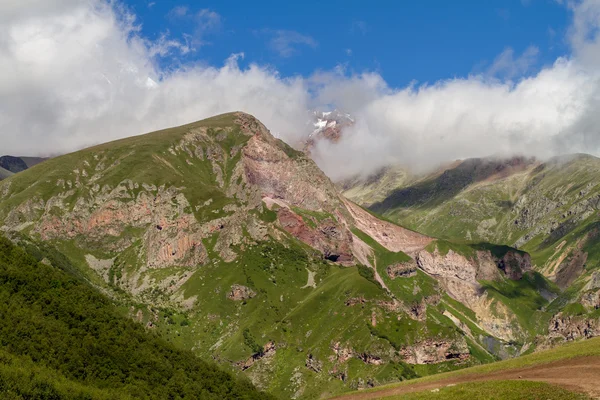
x=580 y=374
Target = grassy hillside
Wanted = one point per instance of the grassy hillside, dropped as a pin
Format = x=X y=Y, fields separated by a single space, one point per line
x=456 y=384
x=550 y=209
x=74 y=343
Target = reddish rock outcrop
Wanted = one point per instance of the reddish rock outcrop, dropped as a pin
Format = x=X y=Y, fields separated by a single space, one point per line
x=332 y=239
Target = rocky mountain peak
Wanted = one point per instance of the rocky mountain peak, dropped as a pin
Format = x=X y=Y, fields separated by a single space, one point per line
x=328 y=126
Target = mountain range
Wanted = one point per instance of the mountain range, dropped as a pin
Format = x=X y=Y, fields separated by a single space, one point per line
x=227 y=243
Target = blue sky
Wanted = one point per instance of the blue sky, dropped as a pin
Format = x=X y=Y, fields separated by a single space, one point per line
x=422 y=41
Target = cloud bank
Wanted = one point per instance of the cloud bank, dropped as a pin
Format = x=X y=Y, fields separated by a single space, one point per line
x=76 y=73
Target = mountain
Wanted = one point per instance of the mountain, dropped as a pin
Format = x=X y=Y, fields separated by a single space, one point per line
x=11 y=165
x=328 y=126
x=227 y=242
x=62 y=339
x=4 y=173
x=549 y=209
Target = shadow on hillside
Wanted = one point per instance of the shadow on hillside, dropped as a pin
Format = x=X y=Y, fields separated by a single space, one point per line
x=451 y=182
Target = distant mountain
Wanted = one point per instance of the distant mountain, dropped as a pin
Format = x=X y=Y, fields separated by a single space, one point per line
x=10 y=165
x=32 y=161
x=328 y=125
x=5 y=173
x=549 y=209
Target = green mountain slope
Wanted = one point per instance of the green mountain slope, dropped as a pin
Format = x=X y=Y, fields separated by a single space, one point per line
x=59 y=338
x=573 y=366
x=548 y=209
x=227 y=242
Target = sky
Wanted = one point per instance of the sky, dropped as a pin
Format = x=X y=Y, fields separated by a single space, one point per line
x=427 y=82
x=422 y=41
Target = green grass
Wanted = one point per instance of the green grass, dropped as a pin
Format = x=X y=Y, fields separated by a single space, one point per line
x=496 y=390
x=59 y=335
x=523 y=298
x=590 y=347
x=384 y=256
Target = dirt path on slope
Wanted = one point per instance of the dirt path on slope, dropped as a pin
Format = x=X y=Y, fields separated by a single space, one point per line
x=580 y=374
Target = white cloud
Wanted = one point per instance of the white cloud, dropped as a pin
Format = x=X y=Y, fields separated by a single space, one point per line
x=507 y=66
x=81 y=75
x=286 y=43
x=78 y=73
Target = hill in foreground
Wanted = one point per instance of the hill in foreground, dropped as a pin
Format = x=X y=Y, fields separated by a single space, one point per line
x=60 y=338
x=565 y=372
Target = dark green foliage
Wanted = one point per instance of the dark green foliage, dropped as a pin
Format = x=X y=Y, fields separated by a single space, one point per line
x=251 y=342
x=62 y=325
x=368 y=274
x=404 y=371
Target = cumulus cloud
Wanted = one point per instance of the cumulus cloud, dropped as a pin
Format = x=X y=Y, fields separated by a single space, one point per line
x=80 y=74
x=76 y=73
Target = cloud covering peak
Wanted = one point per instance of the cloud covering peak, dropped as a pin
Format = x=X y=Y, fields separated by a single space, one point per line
x=76 y=73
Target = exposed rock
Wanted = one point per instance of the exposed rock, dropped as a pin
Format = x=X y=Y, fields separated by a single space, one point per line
x=591 y=300
x=459 y=276
x=355 y=300
x=391 y=236
x=594 y=282
x=313 y=364
x=571 y=268
x=402 y=270
x=269 y=350
x=370 y=359
x=341 y=354
x=333 y=240
x=435 y=351
x=571 y=328
x=514 y=264
x=240 y=293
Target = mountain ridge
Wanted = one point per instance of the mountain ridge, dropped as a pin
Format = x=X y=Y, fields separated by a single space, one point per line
x=230 y=243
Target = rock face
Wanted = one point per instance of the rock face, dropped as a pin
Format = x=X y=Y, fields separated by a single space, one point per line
x=402 y=270
x=460 y=277
x=240 y=293
x=514 y=264
x=433 y=352
x=570 y=328
x=331 y=238
x=390 y=236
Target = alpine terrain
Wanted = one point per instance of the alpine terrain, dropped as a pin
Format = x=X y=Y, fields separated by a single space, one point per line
x=228 y=243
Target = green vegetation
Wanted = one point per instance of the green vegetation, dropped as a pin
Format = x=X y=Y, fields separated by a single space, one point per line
x=495 y=390
x=73 y=342
x=590 y=347
x=384 y=257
